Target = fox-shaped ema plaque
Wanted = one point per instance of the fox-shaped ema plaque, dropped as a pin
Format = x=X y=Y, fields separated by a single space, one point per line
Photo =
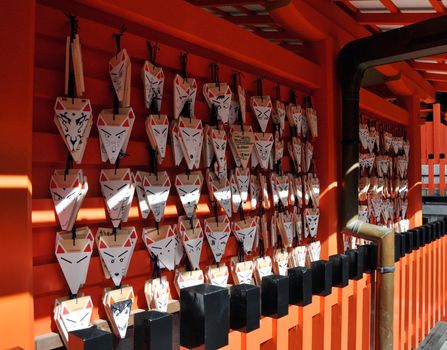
x=217 y=233
x=118 y=305
x=157 y=187
x=73 y=256
x=245 y=232
x=217 y=275
x=117 y=189
x=120 y=74
x=68 y=190
x=218 y=96
x=188 y=188
x=116 y=251
x=262 y=108
x=153 y=83
x=72 y=315
x=185 y=90
x=73 y=118
x=157 y=129
x=161 y=242
x=114 y=132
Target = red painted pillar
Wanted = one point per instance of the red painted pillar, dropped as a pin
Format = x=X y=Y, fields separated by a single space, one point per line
x=16 y=89
x=327 y=149
x=414 y=211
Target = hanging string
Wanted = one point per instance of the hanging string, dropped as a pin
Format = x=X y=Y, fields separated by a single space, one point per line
x=236 y=77
x=259 y=87
x=240 y=250
x=117 y=37
x=153 y=49
x=152 y=160
x=261 y=248
x=74 y=26
x=215 y=79
x=292 y=97
x=73 y=234
x=186 y=111
x=156 y=271
x=183 y=64
x=278 y=92
x=68 y=165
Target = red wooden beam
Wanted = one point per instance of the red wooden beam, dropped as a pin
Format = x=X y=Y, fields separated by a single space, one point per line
x=212 y=3
x=435 y=77
x=437 y=5
x=275 y=35
x=440 y=86
x=250 y=20
x=442 y=57
x=393 y=18
x=389 y=4
x=429 y=66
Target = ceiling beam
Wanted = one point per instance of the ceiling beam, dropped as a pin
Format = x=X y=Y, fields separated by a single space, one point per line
x=429 y=66
x=437 y=5
x=389 y=4
x=249 y=20
x=212 y=3
x=275 y=35
x=393 y=18
x=440 y=86
x=435 y=77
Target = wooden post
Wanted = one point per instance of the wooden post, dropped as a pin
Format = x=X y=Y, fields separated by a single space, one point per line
x=16 y=267
x=414 y=211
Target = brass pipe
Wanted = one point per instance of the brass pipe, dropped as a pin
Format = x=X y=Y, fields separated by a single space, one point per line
x=384 y=237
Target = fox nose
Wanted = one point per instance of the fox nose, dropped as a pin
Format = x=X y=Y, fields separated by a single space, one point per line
x=117 y=274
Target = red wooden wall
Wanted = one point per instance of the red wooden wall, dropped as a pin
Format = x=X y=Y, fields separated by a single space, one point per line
x=49 y=152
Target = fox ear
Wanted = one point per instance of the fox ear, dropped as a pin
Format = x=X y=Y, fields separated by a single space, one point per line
x=254 y=103
x=228 y=92
x=178 y=182
x=102 y=244
x=100 y=121
x=53 y=184
x=60 y=249
x=103 y=177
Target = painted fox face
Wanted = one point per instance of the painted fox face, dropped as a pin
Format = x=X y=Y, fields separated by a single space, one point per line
x=157 y=129
x=118 y=191
x=72 y=119
x=117 y=71
x=282 y=188
x=299 y=255
x=185 y=279
x=312 y=216
x=263 y=267
x=314 y=249
x=67 y=193
x=73 y=314
x=161 y=243
x=185 y=90
x=114 y=132
x=191 y=137
x=74 y=259
x=219 y=143
x=153 y=79
x=121 y=312
x=280 y=115
x=218 y=275
x=262 y=108
x=220 y=98
x=118 y=303
x=192 y=241
x=222 y=194
x=189 y=192
x=116 y=255
x=245 y=231
x=281 y=262
x=243 y=271
x=217 y=235
x=243 y=182
x=157 y=191
x=289 y=231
